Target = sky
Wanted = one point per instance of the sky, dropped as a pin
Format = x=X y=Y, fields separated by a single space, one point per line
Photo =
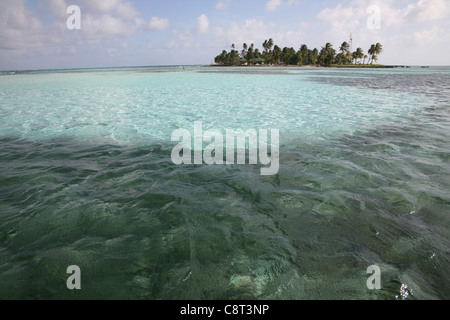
x=34 y=34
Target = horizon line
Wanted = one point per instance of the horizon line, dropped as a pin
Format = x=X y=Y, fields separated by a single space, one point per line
x=170 y=65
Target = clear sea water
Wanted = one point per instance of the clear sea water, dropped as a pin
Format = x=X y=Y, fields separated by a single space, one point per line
x=86 y=179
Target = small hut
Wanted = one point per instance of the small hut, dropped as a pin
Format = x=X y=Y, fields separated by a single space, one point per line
x=242 y=62
x=257 y=61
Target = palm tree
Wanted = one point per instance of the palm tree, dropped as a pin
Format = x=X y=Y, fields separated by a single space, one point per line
x=354 y=56
x=346 y=54
x=365 y=57
x=328 y=47
x=378 y=49
x=327 y=54
x=359 y=53
x=250 y=52
x=264 y=45
x=375 y=57
x=270 y=44
x=222 y=58
x=285 y=56
x=340 y=58
x=299 y=57
x=244 y=50
x=344 y=47
x=313 y=56
x=277 y=54
x=305 y=54
x=371 y=52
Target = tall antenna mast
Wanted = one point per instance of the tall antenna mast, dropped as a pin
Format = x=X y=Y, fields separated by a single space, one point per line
x=351 y=42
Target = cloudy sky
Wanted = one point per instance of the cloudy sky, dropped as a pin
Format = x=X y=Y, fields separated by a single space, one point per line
x=34 y=33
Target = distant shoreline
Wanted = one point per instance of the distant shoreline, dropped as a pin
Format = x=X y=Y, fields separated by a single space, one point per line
x=180 y=67
x=327 y=67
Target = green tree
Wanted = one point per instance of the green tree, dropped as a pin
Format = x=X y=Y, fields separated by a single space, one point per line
x=244 y=50
x=270 y=44
x=313 y=56
x=277 y=53
x=375 y=50
x=267 y=57
x=265 y=46
x=359 y=54
x=250 y=52
x=305 y=52
x=220 y=59
x=285 y=55
x=344 y=48
x=227 y=58
x=341 y=58
x=375 y=58
x=267 y=54
x=378 y=50
x=289 y=56
x=354 y=57
x=346 y=56
x=327 y=55
x=233 y=57
x=298 y=58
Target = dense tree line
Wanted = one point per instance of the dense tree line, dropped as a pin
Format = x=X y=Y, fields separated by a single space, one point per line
x=274 y=55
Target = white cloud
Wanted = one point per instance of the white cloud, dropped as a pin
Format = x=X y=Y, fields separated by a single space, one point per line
x=292 y=2
x=350 y=14
x=222 y=4
x=184 y=39
x=203 y=24
x=427 y=37
x=158 y=23
x=19 y=27
x=126 y=11
x=414 y=48
x=101 y=6
x=37 y=34
x=427 y=10
x=107 y=26
x=250 y=31
x=273 y=5
x=110 y=18
x=256 y=31
x=413 y=25
x=58 y=8
x=343 y=17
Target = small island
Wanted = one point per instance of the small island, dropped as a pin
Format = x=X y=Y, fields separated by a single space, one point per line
x=273 y=55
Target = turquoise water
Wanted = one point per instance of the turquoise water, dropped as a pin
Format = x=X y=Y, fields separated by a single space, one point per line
x=86 y=179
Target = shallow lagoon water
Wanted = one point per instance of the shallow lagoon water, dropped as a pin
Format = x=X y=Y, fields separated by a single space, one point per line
x=87 y=179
